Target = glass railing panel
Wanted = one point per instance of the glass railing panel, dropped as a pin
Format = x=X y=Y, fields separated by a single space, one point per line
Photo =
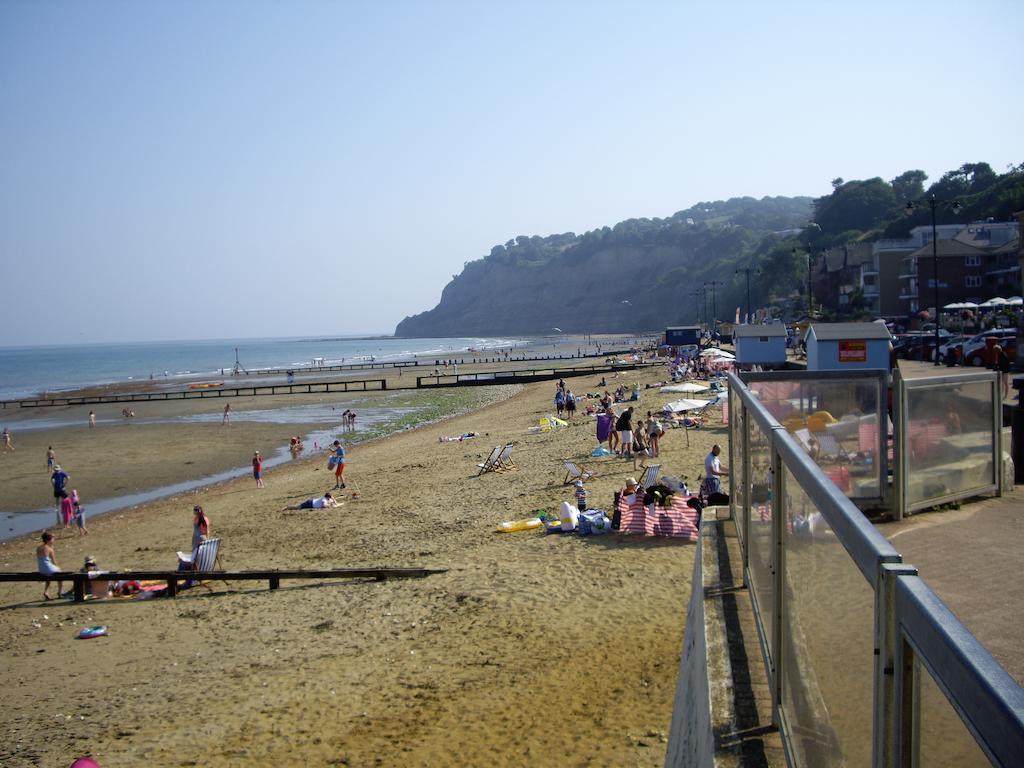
x=943 y=739
x=760 y=557
x=950 y=434
x=827 y=641
x=736 y=428
x=837 y=422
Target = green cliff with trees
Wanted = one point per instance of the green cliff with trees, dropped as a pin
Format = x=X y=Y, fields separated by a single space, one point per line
x=644 y=273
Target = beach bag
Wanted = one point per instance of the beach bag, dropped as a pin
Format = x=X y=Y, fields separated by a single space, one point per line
x=332 y=462
x=594 y=522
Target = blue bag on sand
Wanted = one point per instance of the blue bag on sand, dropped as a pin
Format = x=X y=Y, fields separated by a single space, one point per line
x=594 y=522
x=600 y=451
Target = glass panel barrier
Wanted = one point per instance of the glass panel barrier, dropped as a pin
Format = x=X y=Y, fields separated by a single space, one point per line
x=836 y=421
x=827 y=641
x=760 y=550
x=949 y=442
x=943 y=739
x=737 y=418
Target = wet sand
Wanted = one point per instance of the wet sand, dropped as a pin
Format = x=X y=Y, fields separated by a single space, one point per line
x=532 y=649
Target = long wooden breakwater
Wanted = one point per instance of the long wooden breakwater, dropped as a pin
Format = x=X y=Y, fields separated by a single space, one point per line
x=253 y=390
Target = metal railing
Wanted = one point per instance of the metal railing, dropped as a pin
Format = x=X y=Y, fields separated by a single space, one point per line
x=866 y=665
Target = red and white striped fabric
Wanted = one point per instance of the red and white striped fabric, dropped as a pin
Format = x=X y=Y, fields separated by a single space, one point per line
x=867 y=439
x=725 y=411
x=677 y=519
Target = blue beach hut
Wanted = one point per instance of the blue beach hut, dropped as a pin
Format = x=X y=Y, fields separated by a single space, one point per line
x=760 y=344
x=847 y=346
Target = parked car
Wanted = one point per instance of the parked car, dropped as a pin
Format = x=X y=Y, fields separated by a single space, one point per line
x=975 y=351
x=953 y=342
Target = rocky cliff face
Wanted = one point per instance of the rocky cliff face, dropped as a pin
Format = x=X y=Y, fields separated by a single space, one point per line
x=636 y=276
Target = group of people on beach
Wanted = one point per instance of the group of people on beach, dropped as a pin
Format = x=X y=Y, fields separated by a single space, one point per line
x=565 y=400
x=68 y=507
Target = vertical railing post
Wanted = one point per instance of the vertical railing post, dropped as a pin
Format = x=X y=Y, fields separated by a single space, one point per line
x=779 y=510
x=899 y=443
x=997 y=423
x=906 y=725
x=745 y=514
x=886 y=704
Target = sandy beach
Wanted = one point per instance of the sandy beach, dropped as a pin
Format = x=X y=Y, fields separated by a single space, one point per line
x=532 y=649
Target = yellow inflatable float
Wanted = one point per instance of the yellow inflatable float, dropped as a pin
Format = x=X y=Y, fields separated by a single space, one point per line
x=511 y=526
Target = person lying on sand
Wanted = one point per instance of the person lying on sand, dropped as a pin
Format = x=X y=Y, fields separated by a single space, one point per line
x=321 y=503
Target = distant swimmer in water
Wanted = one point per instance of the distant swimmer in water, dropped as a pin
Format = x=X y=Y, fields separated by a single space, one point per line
x=295 y=444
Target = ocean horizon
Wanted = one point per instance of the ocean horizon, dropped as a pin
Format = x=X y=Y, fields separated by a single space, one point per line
x=26 y=371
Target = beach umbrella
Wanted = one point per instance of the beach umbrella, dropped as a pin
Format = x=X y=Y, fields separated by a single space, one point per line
x=955 y=306
x=687 y=388
x=992 y=303
x=1015 y=301
x=685 y=405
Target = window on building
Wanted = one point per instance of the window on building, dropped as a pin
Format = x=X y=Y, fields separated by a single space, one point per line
x=972 y=281
x=972 y=260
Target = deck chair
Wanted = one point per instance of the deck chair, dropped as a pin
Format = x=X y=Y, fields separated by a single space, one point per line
x=205 y=557
x=505 y=459
x=491 y=462
x=574 y=471
x=650 y=476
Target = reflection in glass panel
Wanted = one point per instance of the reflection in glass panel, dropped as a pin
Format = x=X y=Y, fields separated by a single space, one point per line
x=944 y=739
x=837 y=422
x=760 y=557
x=949 y=441
x=736 y=426
x=827 y=641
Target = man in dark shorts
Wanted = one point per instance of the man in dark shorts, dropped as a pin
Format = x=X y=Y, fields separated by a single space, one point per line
x=323 y=502
x=59 y=478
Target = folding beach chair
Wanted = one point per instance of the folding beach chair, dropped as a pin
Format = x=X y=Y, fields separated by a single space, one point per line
x=491 y=462
x=650 y=476
x=574 y=471
x=505 y=459
x=205 y=557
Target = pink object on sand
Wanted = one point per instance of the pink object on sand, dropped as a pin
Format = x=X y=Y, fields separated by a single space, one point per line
x=85 y=762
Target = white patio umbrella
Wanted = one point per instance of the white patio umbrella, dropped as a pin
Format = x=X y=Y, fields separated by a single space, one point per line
x=688 y=388
x=992 y=303
x=718 y=353
x=1015 y=301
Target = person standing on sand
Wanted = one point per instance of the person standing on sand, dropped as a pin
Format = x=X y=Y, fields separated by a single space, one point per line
x=92 y=419
x=200 y=526
x=337 y=460
x=8 y=446
x=257 y=469
x=51 y=458
x=46 y=563
x=714 y=471
x=227 y=414
x=59 y=479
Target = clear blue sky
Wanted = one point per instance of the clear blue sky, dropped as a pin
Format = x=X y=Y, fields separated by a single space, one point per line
x=176 y=170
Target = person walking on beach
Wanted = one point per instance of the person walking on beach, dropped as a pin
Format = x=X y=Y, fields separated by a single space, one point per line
x=200 y=526
x=92 y=419
x=323 y=502
x=46 y=563
x=257 y=469
x=51 y=459
x=59 y=479
x=8 y=446
x=570 y=404
x=337 y=461
x=78 y=514
x=624 y=426
x=227 y=414
x=67 y=511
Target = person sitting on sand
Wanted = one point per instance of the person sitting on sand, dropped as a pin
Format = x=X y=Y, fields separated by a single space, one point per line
x=46 y=562
x=323 y=502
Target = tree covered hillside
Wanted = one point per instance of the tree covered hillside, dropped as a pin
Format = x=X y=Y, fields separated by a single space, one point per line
x=643 y=274
x=638 y=274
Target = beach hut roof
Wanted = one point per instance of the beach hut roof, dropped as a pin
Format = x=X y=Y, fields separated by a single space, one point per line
x=844 y=331
x=743 y=331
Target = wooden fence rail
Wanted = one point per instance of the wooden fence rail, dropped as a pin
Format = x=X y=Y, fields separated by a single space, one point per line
x=516 y=376
x=81 y=580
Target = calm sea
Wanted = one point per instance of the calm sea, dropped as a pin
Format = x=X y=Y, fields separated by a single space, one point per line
x=25 y=371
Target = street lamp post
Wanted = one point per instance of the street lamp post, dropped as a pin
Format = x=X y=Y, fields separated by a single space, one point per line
x=714 y=302
x=747 y=271
x=810 y=295
x=696 y=294
x=932 y=205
